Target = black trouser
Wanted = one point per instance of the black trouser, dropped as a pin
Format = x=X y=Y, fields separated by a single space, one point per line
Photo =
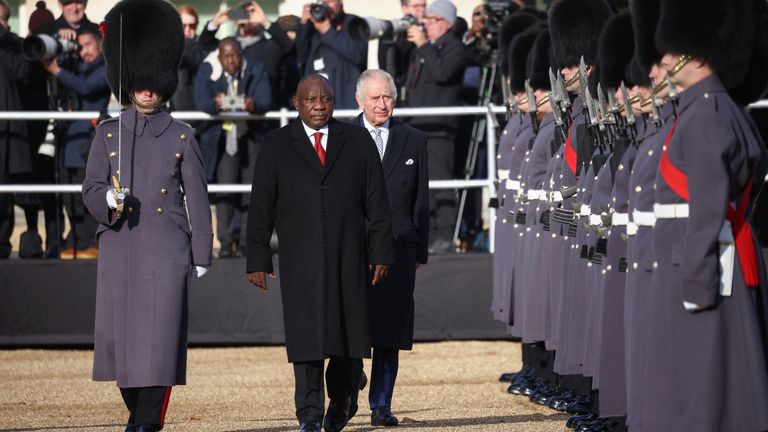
x=237 y=169
x=442 y=202
x=147 y=405
x=309 y=396
x=6 y=217
x=44 y=173
x=82 y=226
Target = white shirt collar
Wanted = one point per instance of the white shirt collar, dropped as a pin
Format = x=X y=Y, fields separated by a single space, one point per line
x=311 y=131
x=370 y=127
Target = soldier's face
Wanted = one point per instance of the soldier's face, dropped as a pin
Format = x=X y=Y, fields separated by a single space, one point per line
x=314 y=102
x=148 y=98
x=568 y=74
x=377 y=101
x=230 y=58
x=522 y=106
x=545 y=108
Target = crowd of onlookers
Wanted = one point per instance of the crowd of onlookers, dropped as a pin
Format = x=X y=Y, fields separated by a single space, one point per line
x=437 y=62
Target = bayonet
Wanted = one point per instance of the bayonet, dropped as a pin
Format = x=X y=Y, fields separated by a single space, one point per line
x=628 y=113
x=582 y=74
x=655 y=110
x=672 y=95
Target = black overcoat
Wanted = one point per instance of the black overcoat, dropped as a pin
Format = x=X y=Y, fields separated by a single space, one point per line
x=15 y=155
x=332 y=221
x=390 y=303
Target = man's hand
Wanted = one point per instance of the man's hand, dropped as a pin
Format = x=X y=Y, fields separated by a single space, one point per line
x=417 y=36
x=249 y=105
x=221 y=17
x=305 y=15
x=217 y=101
x=67 y=34
x=419 y=264
x=260 y=279
x=51 y=65
x=380 y=271
x=259 y=17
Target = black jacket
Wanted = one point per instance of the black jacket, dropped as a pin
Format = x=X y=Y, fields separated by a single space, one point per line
x=15 y=155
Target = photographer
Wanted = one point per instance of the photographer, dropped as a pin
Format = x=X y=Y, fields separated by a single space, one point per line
x=229 y=148
x=395 y=53
x=324 y=47
x=194 y=54
x=88 y=83
x=15 y=157
x=261 y=40
x=435 y=79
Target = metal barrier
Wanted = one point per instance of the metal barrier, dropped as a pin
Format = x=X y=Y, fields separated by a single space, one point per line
x=284 y=116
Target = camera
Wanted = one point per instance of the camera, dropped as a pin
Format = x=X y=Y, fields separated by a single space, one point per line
x=495 y=13
x=43 y=47
x=318 y=11
x=233 y=103
x=237 y=14
x=369 y=28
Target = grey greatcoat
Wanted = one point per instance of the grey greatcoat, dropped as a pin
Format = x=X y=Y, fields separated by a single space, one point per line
x=332 y=221
x=145 y=256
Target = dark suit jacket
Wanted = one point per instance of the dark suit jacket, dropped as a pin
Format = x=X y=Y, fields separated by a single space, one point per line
x=253 y=82
x=343 y=57
x=332 y=221
x=390 y=304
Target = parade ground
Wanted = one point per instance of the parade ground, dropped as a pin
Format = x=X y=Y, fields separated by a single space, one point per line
x=441 y=386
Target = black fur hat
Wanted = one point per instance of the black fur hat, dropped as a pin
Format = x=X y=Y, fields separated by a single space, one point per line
x=615 y=50
x=753 y=86
x=573 y=27
x=539 y=61
x=645 y=16
x=635 y=74
x=153 y=43
x=518 y=58
x=514 y=25
x=718 y=32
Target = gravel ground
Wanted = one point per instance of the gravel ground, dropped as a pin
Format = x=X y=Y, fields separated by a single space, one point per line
x=441 y=386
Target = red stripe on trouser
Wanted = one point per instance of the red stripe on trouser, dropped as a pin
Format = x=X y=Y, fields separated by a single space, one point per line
x=570 y=153
x=165 y=406
x=745 y=242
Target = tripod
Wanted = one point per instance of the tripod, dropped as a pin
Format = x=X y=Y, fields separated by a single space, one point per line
x=488 y=80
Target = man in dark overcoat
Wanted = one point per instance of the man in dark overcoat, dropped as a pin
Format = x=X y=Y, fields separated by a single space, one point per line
x=390 y=305
x=155 y=236
x=320 y=184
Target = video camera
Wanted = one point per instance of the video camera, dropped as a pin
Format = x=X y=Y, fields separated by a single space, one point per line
x=369 y=28
x=43 y=47
x=495 y=13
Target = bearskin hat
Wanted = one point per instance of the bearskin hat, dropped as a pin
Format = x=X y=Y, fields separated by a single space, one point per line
x=615 y=50
x=645 y=16
x=572 y=27
x=753 y=86
x=512 y=26
x=721 y=33
x=518 y=58
x=540 y=60
x=635 y=74
x=152 y=46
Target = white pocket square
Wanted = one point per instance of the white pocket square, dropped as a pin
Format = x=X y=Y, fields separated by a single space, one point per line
x=409 y=162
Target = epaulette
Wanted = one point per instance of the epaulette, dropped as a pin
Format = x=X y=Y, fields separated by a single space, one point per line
x=108 y=120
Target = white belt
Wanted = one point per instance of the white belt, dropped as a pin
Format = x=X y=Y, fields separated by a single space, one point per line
x=595 y=220
x=556 y=196
x=536 y=194
x=619 y=218
x=512 y=184
x=670 y=211
x=631 y=229
x=643 y=218
x=503 y=174
x=585 y=210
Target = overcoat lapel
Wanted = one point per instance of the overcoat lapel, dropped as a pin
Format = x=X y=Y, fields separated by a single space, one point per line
x=302 y=145
x=395 y=145
x=336 y=141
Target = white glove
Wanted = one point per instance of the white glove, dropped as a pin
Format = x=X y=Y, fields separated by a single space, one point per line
x=112 y=198
x=199 y=271
x=691 y=307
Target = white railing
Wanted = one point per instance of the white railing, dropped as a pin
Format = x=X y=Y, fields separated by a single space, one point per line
x=284 y=116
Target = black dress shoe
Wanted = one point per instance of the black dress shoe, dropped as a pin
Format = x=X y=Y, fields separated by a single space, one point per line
x=148 y=428
x=337 y=415
x=575 y=421
x=594 y=426
x=130 y=427
x=355 y=394
x=580 y=406
x=310 y=427
x=382 y=416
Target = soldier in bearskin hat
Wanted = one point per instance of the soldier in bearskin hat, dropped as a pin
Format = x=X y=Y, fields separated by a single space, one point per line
x=707 y=336
x=150 y=244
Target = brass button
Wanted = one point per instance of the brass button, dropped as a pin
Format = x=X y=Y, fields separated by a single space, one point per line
x=117 y=172
x=159 y=210
x=173 y=173
x=109 y=134
x=163 y=191
x=183 y=136
x=112 y=154
x=130 y=209
x=178 y=155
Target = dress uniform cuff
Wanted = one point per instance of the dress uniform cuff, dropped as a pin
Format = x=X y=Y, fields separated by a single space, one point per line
x=201 y=248
x=703 y=294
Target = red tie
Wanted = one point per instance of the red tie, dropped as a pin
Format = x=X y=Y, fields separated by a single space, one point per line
x=319 y=147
